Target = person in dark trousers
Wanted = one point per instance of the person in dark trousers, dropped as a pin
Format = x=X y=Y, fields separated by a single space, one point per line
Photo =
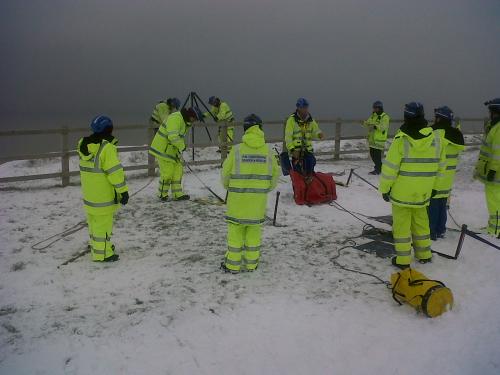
x=378 y=128
x=300 y=130
x=452 y=140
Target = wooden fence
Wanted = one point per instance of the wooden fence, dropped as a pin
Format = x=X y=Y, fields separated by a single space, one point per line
x=65 y=152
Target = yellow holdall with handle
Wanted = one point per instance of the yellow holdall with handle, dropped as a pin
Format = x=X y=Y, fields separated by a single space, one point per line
x=431 y=297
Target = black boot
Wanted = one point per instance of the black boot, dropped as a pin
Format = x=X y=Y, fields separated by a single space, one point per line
x=400 y=266
x=251 y=270
x=227 y=270
x=423 y=261
x=112 y=258
x=184 y=197
x=164 y=199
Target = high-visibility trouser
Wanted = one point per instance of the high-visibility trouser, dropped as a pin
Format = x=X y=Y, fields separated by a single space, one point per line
x=171 y=173
x=230 y=137
x=493 y=202
x=411 y=225
x=100 y=230
x=243 y=246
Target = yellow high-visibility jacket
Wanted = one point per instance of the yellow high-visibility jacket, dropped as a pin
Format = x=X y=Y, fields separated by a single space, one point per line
x=249 y=173
x=160 y=113
x=453 y=142
x=489 y=155
x=168 y=142
x=412 y=167
x=101 y=173
x=378 y=129
x=221 y=113
x=299 y=133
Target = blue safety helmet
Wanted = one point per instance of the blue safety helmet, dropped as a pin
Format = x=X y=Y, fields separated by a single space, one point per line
x=251 y=120
x=414 y=110
x=444 y=112
x=378 y=104
x=100 y=123
x=302 y=103
x=213 y=100
x=493 y=105
x=174 y=103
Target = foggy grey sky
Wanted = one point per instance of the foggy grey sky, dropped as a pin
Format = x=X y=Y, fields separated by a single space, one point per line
x=64 y=61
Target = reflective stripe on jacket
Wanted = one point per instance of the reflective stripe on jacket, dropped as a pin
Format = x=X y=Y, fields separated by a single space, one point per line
x=378 y=128
x=168 y=142
x=102 y=177
x=299 y=133
x=444 y=185
x=160 y=113
x=412 y=168
x=221 y=113
x=489 y=155
x=249 y=173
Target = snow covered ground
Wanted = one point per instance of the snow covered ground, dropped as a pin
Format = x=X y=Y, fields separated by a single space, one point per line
x=166 y=308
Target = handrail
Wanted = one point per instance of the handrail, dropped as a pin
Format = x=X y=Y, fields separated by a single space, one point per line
x=65 y=153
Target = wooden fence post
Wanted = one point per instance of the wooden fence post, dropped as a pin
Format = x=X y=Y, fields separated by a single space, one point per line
x=338 y=136
x=64 y=156
x=223 y=146
x=151 y=158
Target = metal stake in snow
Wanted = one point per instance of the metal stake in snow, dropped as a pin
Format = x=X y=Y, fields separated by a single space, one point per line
x=466 y=232
x=276 y=207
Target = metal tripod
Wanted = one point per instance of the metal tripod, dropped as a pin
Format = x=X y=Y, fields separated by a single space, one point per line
x=194 y=100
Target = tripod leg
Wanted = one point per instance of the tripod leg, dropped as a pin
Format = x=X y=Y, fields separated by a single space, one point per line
x=204 y=106
x=186 y=101
x=196 y=98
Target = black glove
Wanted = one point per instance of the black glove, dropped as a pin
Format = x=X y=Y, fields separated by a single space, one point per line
x=491 y=175
x=433 y=193
x=124 y=199
x=387 y=197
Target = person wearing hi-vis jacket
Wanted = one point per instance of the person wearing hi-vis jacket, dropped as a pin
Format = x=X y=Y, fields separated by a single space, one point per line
x=249 y=173
x=488 y=166
x=167 y=146
x=411 y=171
x=378 y=128
x=103 y=186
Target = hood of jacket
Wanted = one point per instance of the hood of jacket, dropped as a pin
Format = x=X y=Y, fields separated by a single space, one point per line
x=254 y=137
x=417 y=133
x=88 y=146
x=453 y=135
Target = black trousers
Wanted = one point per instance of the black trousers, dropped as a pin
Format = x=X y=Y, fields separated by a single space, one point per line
x=438 y=214
x=376 y=156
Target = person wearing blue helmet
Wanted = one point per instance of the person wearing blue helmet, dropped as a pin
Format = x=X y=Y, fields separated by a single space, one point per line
x=452 y=140
x=488 y=166
x=103 y=186
x=300 y=130
x=221 y=112
x=378 y=129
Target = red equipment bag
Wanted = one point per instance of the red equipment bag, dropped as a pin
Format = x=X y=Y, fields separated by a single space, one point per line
x=321 y=188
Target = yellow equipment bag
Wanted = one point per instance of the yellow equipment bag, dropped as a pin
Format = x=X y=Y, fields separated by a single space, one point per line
x=431 y=297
